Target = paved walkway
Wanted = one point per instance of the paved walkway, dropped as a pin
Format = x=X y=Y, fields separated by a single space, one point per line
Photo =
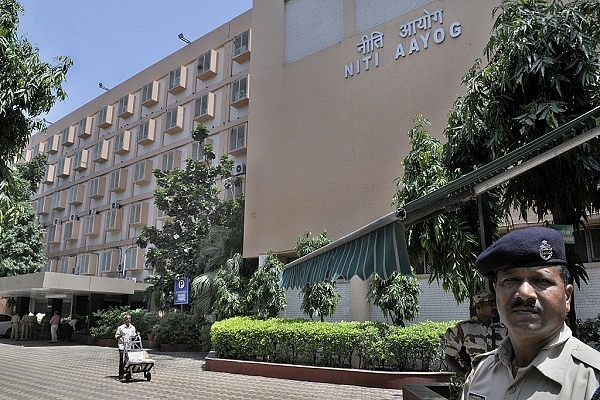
x=36 y=370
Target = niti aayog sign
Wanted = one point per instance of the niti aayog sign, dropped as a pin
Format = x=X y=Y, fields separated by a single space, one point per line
x=181 y=291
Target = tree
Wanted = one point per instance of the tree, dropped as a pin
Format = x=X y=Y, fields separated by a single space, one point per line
x=446 y=243
x=203 y=231
x=397 y=296
x=543 y=70
x=265 y=297
x=318 y=298
x=30 y=88
x=21 y=246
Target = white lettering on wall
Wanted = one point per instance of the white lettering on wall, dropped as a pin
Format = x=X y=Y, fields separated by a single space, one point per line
x=366 y=46
x=418 y=33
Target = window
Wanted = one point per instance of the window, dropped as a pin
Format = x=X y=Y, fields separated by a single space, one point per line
x=142 y=172
x=43 y=205
x=105 y=117
x=237 y=138
x=125 y=109
x=59 y=200
x=109 y=261
x=52 y=144
x=80 y=160
x=118 y=180
x=177 y=79
x=207 y=65
x=63 y=265
x=49 y=176
x=241 y=47
x=239 y=92
x=121 y=142
x=50 y=266
x=133 y=258
x=97 y=187
x=68 y=136
x=174 y=120
x=138 y=214
x=171 y=160
x=112 y=220
x=75 y=195
x=90 y=225
x=100 y=151
x=63 y=167
x=53 y=234
x=71 y=230
x=150 y=94
x=234 y=188
x=146 y=131
x=87 y=263
x=84 y=128
x=204 y=107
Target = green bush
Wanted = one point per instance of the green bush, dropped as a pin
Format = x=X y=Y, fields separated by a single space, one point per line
x=589 y=331
x=106 y=322
x=183 y=328
x=297 y=341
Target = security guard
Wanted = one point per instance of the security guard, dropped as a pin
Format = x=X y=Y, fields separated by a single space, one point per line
x=540 y=358
x=475 y=336
x=15 y=326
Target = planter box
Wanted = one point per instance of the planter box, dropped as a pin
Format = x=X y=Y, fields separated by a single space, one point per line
x=106 y=342
x=83 y=339
x=343 y=376
x=179 y=347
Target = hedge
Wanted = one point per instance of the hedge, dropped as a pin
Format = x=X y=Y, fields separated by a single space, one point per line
x=367 y=345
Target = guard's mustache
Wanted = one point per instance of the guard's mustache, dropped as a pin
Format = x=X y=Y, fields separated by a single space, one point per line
x=520 y=303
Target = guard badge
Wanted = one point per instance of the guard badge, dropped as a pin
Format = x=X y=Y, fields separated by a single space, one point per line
x=545 y=250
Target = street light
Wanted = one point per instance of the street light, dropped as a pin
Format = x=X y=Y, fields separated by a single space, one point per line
x=180 y=36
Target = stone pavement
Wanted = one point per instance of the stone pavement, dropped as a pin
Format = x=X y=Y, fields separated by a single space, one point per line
x=36 y=370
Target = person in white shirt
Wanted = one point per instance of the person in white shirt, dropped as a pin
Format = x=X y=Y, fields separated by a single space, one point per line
x=124 y=332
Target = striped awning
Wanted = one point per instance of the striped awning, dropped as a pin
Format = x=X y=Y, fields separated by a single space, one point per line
x=381 y=251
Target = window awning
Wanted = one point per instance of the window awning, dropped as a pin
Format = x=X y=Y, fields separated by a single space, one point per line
x=372 y=249
x=380 y=247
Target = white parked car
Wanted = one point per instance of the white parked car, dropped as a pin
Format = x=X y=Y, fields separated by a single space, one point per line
x=5 y=325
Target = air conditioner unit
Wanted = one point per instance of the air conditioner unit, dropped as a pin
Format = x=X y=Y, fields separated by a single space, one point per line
x=115 y=204
x=93 y=211
x=131 y=278
x=74 y=217
x=56 y=221
x=239 y=169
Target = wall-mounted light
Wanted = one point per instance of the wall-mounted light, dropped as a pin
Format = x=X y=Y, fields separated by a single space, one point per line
x=101 y=86
x=180 y=36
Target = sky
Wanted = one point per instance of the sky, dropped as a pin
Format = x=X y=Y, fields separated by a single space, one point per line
x=111 y=40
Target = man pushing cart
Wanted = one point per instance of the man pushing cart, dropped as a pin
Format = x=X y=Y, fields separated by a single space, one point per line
x=132 y=357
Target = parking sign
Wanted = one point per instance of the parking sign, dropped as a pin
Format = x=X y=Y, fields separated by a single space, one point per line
x=181 y=290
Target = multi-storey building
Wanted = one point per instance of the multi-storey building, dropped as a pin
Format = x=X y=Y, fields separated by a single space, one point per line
x=97 y=193
x=335 y=87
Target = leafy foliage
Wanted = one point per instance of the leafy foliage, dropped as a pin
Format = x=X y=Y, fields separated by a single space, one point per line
x=203 y=230
x=229 y=285
x=30 y=88
x=21 y=242
x=447 y=243
x=265 y=297
x=319 y=298
x=106 y=322
x=543 y=70
x=301 y=342
x=397 y=297
x=183 y=328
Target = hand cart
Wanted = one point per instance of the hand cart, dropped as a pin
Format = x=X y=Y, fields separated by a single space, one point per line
x=136 y=359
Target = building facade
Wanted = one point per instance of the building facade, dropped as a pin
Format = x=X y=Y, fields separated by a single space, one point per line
x=335 y=88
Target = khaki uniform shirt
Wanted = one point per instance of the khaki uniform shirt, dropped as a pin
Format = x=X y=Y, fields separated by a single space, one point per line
x=565 y=369
x=476 y=337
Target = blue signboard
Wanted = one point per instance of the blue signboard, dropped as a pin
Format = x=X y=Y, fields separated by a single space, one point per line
x=181 y=290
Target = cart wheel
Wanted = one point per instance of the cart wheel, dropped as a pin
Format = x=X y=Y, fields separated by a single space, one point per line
x=128 y=377
x=148 y=375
